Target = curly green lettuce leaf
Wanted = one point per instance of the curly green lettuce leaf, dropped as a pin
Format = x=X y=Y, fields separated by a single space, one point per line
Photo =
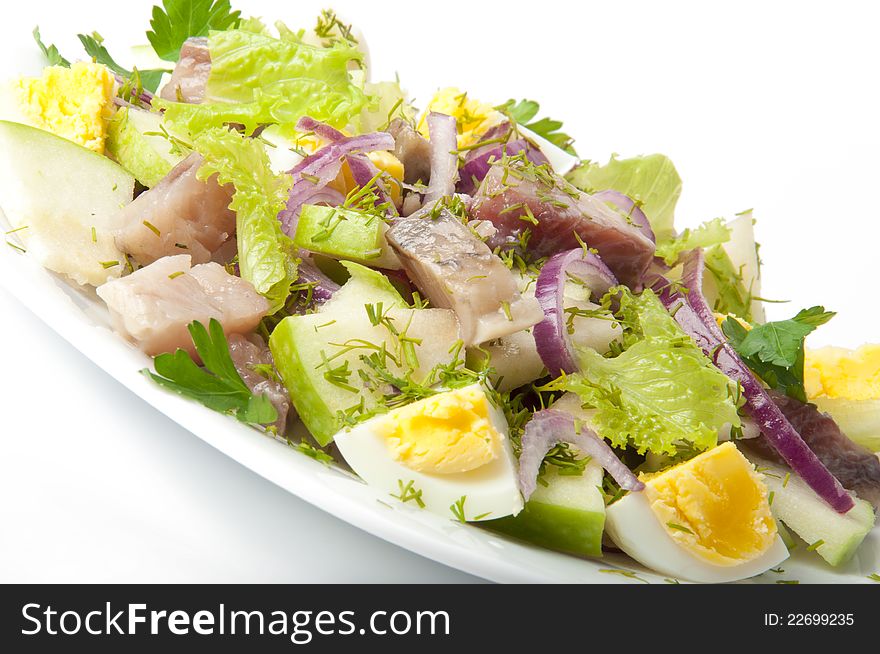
x=266 y=256
x=650 y=180
x=711 y=232
x=660 y=394
x=258 y=80
x=177 y=20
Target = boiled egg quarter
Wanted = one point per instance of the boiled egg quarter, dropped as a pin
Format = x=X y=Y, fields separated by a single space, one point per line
x=705 y=520
x=449 y=453
x=75 y=103
x=838 y=373
x=846 y=384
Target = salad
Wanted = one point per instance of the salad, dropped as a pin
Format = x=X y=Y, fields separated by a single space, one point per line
x=447 y=300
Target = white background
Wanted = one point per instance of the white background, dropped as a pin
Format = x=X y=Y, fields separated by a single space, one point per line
x=765 y=105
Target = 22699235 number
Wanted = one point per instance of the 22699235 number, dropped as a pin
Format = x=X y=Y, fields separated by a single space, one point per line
x=809 y=619
x=820 y=619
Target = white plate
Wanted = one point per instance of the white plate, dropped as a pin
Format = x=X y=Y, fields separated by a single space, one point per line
x=82 y=319
x=712 y=186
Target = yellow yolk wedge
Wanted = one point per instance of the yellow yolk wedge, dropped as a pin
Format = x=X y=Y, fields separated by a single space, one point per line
x=838 y=373
x=473 y=118
x=449 y=454
x=445 y=434
x=707 y=519
x=74 y=103
x=714 y=505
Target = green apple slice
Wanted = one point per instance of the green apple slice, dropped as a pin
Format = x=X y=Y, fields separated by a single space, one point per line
x=319 y=356
x=568 y=514
x=64 y=200
x=135 y=140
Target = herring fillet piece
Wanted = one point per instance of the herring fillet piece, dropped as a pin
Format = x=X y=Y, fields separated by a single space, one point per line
x=250 y=351
x=412 y=150
x=563 y=214
x=190 y=76
x=191 y=217
x=153 y=306
x=455 y=270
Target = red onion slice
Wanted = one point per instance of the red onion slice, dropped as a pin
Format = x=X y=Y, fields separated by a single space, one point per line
x=362 y=169
x=693 y=314
x=145 y=97
x=315 y=164
x=551 y=334
x=627 y=206
x=549 y=427
x=308 y=124
x=323 y=287
x=312 y=175
x=306 y=193
x=444 y=156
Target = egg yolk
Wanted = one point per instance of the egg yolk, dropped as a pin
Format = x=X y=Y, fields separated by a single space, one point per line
x=715 y=506
x=473 y=118
x=74 y=103
x=385 y=162
x=839 y=373
x=445 y=434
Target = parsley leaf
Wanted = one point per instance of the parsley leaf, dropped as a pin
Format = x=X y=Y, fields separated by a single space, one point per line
x=94 y=47
x=524 y=112
x=51 y=52
x=218 y=385
x=775 y=350
x=182 y=19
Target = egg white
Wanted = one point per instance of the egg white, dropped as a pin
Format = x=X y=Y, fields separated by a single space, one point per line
x=490 y=491
x=636 y=529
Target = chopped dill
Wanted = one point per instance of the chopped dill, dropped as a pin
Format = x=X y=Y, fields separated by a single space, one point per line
x=457 y=509
x=678 y=527
x=409 y=493
x=152 y=228
x=629 y=574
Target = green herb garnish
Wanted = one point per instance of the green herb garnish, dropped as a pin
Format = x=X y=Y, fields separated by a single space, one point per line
x=678 y=527
x=524 y=112
x=218 y=385
x=775 y=350
x=182 y=19
x=94 y=46
x=409 y=493
x=629 y=574
x=458 y=509
x=51 y=52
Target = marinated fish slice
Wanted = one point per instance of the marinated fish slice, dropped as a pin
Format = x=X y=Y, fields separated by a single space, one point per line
x=412 y=150
x=254 y=363
x=180 y=215
x=455 y=270
x=519 y=197
x=190 y=75
x=153 y=306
